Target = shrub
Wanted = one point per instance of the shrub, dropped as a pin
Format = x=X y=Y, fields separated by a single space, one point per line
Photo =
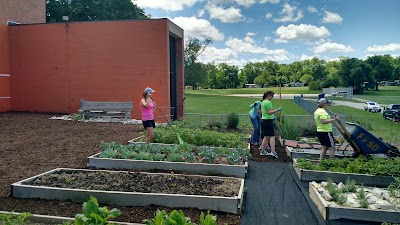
x=232 y=120
x=11 y=219
x=314 y=85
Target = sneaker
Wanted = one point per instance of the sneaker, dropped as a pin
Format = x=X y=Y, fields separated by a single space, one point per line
x=265 y=152
x=274 y=154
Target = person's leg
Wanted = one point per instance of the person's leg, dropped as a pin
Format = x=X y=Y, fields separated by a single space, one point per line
x=150 y=134
x=323 y=152
x=255 y=137
x=272 y=143
x=331 y=146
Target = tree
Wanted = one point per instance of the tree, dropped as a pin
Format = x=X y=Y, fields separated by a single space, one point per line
x=264 y=78
x=87 y=10
x=354 y=72
x=382 y=68
x=195 y=72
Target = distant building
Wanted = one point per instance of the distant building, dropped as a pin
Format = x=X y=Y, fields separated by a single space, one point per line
x=249 y=86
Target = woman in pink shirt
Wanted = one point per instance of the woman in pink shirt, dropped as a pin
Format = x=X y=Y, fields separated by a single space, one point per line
x=147 y=108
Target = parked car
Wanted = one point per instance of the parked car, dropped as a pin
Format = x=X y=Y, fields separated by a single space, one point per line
x=372 y=107
x=391 y=111
x=341 y=93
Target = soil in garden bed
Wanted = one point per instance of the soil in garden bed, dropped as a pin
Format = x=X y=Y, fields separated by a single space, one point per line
x=255 y=154
x=140 y=182
x=31 y=143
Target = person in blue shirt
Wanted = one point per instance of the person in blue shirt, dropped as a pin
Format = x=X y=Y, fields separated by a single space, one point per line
x=255 y=117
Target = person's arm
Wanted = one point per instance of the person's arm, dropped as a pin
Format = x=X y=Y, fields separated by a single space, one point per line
x=326 y=121
x=145 y=102
x=270 y=111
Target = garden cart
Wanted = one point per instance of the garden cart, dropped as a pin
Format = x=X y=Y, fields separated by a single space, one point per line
x=363 y=142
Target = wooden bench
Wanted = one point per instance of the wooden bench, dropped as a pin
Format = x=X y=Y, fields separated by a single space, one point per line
x=105 y=109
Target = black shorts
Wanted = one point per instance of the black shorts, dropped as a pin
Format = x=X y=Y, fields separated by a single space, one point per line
x=326 y=139
x=267 y=128
x=148 y=123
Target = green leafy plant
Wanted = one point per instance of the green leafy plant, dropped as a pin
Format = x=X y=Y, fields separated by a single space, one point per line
x=11 y=219
x=175 y=157
x=208 y=219
x=394 y=187
x=109 y=153
x=362 y=198
x=232 y=121
x=143 y=156
x=158 y=157
x=179 y=218
x=92 y=214
x=126 y=154
x=336 y=194
x=350 y=186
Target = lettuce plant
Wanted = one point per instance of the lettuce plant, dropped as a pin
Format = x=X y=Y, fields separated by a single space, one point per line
x=92 y=214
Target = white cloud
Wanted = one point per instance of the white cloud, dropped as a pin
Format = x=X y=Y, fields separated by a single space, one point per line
x=221 y=55
x=330 y=17
x=305 y=57
x=167 y=5
x=288 y=14
x=332 y=47
x=267 y=38
x=199 y=28
x=245 y=3
x=278 y=55
x=249 y=39
x=300 y=32
x=242 y=46
x=271 y=1
x=268 y=15
x=312 y=9
x=230 y=15
x=201 y=12
x=250 y=34
x=384 y=48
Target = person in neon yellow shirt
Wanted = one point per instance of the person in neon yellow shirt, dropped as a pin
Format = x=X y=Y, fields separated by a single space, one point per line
x=267 y=124
x=324 y=128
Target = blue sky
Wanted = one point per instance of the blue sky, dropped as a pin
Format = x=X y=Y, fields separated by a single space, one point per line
x=285 y=31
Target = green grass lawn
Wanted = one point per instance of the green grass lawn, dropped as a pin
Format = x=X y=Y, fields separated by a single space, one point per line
x=285 y=90
x=216 y=104
x=385 y=95
x=373 y=122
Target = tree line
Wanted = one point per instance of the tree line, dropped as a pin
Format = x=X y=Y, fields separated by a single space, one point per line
x=314 y=73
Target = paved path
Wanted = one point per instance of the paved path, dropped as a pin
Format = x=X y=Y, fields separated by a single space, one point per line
x=284 y=96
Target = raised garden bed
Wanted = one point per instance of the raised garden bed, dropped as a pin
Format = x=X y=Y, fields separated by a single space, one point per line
x=307 y=175
x=376 y=209
x=135 y=189
x=185 y=158
x=313 y=153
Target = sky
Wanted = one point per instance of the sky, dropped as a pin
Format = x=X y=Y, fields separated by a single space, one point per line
x=245 y=31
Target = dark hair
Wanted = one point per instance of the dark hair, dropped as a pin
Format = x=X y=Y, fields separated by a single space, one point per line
x=144 y=95
x=270 y=93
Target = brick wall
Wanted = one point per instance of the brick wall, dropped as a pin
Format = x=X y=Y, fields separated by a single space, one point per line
x=23 y=11
x=5 y=95
x=95 y=61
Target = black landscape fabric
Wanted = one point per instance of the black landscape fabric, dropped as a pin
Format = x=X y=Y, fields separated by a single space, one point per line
x=274 y=196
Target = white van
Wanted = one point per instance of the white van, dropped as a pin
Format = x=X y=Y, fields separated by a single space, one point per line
x=341 y=93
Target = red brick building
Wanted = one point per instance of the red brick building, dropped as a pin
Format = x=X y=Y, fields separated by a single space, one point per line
x=50 y=67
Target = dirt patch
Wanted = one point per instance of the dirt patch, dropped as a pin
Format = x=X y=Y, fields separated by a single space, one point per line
x=255 y=154
x=139 y=182
x=31 y=143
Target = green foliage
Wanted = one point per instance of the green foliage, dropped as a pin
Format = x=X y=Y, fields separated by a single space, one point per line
x=360 y=165
x=198 y=137
x=108 y=153
x=178 y=218
x=362 y=198
x=314 y=85
x=232 y=121
x=350 y=186
x=290 y=130
x=214 y=124
x=394 y=187
x=11 y=219
x=390 y=223
x=92 y=214
x=174 y=153
x=336 y=194
x=86 y=10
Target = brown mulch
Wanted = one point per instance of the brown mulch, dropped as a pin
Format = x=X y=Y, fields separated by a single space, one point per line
x=31 y=143
x=283 y=157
